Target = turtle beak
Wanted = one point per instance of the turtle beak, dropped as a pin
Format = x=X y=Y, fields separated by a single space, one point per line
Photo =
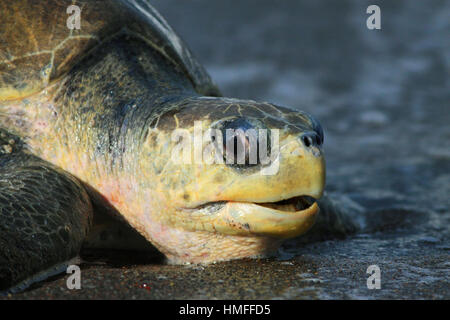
x=282 y=205
x=252 y=218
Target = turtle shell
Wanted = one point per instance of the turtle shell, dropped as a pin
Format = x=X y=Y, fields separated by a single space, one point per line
x=37 y=46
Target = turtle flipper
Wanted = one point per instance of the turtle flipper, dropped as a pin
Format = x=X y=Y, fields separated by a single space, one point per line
x=45 y=214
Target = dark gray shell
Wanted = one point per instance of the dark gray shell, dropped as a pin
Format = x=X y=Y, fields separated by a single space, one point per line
x=37 y=47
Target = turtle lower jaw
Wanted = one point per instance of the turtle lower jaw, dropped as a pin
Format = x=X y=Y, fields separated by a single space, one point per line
x=281 y=219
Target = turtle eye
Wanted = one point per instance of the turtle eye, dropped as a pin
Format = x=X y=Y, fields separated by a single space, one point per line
x=236 y=147
x=240 y=142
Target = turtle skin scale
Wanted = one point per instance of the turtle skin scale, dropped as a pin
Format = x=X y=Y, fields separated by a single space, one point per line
x=45 y=213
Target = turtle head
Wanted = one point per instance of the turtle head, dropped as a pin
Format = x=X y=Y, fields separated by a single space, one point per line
x=231 y=178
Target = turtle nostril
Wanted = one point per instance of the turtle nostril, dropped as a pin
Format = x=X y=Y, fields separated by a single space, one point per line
x=307 y=141
x=311 y=139
x=317 y=130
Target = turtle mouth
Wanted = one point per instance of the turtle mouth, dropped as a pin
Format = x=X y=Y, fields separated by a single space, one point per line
x=294 y=204
x=280 y=219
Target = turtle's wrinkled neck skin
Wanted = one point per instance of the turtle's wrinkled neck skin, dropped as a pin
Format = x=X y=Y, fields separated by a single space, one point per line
x=109 y=121
x=99 y=115
x=117 y=93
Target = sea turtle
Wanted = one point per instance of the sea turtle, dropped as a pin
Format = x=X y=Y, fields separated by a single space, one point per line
x=88 y=117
